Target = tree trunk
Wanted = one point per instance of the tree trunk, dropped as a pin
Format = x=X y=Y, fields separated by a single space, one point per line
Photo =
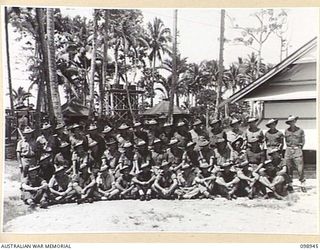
x=45 y=69
x=116 y=65
x=54 y=87
x=220 y=76
x=174 y=67
x=126 y=79
x=93 y=62
x=105 y=67
x=8 y=61
x=9 y=70
x=152 y=80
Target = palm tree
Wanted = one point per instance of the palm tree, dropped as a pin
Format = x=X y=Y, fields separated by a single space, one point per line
x=19 y=96
x=93 y=63
x=8 y=59
x=234 y=78
x=54 y=87
x=182 y=67
x=159 y=37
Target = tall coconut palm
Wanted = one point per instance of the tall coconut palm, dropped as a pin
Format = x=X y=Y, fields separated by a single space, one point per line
x=8 y=58
x=234 y=78
x=19 y=96
x=104 y=64
x=182 y=66
x=93 y=63
x=159 y=37
x=54 y=87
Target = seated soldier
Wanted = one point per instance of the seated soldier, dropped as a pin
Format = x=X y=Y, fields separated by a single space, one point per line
x=105 y=181
x=84 y=184
x=165 y=182
x=187 y=187
x=143 y=181
x=46 y=166
x=227 y=181
x=124 y=186
x=274 y=175
x=248 y=174
x=205 y=180
x=34 y=188
x=60 y=186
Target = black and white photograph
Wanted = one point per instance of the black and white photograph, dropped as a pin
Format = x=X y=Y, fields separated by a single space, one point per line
x=160 y=120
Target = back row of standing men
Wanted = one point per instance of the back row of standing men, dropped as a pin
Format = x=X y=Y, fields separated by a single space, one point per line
x=158 y=159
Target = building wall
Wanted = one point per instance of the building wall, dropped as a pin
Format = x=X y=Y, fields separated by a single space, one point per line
x=305 y=109
x=282 y=109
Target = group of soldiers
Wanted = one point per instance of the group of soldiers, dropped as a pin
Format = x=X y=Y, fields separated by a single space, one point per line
x=155 y=159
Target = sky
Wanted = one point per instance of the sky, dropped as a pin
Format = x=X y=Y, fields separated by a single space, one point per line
x=198 y=39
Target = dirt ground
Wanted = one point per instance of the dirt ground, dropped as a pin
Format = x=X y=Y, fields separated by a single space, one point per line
x=297 y=214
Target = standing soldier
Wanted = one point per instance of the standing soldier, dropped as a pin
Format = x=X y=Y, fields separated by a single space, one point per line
x=111 y=157
x=216 y=131
x=79 y=158
x=158 y=153
x=166 y=133
x=124 y=136
x=182 y=134
x=26 y=151
x=138 y=133
x=222 y=152
x=274 y=137
x=46 y=166
x=77 y=136
x=46 y=142
x=175 y=154
x=142 y=156
x=101 y=146
x=152 y=131
x=235 y=132
x=253 y=132
x=107 y=133
x=127 y=157
x=191 y=156
x=64 y=157
x=61 y=135
x=197 y=132
x=295 y=141
x=206 y=154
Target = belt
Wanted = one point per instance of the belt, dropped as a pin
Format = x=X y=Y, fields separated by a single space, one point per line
x=27 y=157
x=294 y=147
